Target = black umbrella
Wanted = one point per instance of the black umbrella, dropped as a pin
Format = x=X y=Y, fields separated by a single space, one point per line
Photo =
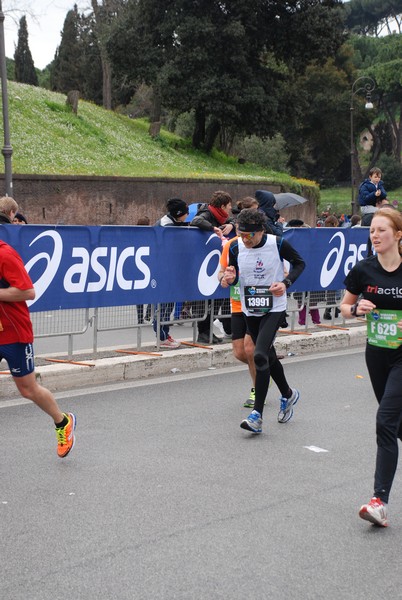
x=288 y=199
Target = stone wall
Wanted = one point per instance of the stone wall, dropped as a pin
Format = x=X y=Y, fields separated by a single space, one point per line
x=86 y=200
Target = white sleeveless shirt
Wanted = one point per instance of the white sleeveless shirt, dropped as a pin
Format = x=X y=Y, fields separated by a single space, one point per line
x=261 y=266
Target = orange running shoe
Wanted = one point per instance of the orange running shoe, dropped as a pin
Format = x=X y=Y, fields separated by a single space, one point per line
x=65 y=436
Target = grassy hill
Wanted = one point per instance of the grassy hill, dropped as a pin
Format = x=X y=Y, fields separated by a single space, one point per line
x=47 y=138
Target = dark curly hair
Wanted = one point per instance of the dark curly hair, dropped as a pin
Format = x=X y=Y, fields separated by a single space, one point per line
x=250 y=216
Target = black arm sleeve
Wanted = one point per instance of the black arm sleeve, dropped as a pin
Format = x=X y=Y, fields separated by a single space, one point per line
x=287 y=252
x=232 y=258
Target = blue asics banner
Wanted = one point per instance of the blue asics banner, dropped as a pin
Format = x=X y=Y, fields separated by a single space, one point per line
x=86 y=267
x=329 y=254
x=80 y=267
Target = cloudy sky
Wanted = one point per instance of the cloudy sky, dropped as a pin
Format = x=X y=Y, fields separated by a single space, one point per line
x=45 y=20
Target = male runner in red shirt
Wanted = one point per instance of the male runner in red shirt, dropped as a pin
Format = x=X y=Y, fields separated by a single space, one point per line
x=16 y=337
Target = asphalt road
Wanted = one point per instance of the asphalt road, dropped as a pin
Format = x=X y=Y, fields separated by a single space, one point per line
x=165 y=497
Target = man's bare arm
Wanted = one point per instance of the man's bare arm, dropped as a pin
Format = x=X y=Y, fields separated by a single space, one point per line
x=13 y=294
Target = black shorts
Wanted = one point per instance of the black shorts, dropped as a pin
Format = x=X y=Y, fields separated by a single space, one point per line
x=239 y=326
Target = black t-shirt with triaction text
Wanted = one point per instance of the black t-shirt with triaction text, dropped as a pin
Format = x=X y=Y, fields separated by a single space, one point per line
x=381 y=287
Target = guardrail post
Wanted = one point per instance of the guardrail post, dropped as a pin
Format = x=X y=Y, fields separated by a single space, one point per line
x=94 y=323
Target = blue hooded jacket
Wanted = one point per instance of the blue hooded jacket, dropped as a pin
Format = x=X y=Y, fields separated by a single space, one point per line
x=266 y=201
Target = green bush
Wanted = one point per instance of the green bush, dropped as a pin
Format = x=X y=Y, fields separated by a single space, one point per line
x=270 y=152
x=184 y=124
x=391 y=171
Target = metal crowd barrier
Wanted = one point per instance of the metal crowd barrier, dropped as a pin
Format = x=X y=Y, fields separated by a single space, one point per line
x=74 y=322
x=55 y=323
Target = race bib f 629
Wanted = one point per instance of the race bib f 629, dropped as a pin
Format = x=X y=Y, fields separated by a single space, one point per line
x=382 y=328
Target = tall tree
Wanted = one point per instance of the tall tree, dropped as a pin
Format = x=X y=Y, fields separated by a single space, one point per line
x=78 y=63
x=380 y=58
x=91 y=64
x=224 y=60
x=137 y=49
x=24 y=64
x=66 y=70
x=374 y=17
x=105 y=13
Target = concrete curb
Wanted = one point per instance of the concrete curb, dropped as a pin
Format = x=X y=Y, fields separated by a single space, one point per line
x=64 y=376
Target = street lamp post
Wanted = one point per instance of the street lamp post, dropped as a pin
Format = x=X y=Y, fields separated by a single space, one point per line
x=367 y=85
x=7 y=148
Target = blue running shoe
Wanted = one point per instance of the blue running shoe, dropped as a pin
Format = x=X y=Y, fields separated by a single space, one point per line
x=253 y=422
x=287 y=404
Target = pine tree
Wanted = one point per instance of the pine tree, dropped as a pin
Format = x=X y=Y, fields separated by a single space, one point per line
x=24 y=65
x=66 y=70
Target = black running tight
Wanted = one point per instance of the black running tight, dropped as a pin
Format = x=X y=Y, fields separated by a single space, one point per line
x=385 y=370
x=263 y=331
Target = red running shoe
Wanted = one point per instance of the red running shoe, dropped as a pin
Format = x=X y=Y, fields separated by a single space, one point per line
x=375 y=511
